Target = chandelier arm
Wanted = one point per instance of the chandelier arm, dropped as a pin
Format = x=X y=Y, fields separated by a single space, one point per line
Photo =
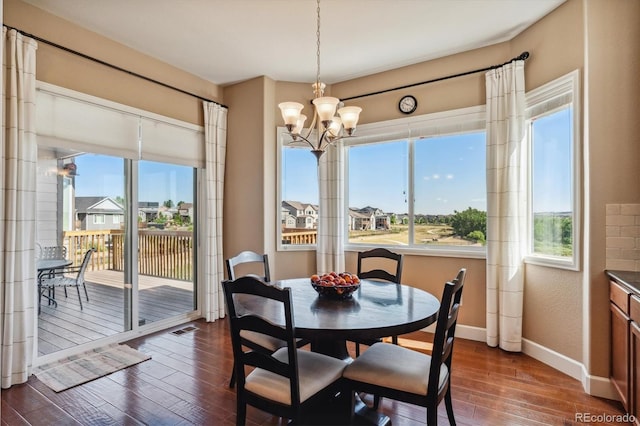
x=312 y=125
x=296 y=137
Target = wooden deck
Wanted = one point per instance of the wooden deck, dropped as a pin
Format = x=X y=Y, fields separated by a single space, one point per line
x=66 y=325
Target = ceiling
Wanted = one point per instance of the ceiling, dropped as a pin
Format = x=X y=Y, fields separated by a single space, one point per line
x=227 y=41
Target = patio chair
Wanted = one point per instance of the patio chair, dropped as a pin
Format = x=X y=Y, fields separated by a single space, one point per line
x=53 y=252
x=63 y=279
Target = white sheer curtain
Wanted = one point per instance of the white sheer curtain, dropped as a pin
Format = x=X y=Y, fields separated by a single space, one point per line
x=506 y=203
x=215 y=133
x=18 y=207
x=330 y=244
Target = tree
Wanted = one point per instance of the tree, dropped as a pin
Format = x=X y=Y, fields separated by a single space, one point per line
x=468 y=221
x=168 y=204
x=120 y=200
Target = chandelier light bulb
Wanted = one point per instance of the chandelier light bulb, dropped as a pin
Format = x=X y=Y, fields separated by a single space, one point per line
x=297 y=129
x=326 y=108
x=290 y=113
x=334 y=128
x=350 y=116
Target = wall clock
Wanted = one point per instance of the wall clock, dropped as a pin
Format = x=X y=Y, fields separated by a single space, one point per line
x=407 y=104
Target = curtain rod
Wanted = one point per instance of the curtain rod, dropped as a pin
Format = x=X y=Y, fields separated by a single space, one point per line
x=523 y=56
x=101 y=62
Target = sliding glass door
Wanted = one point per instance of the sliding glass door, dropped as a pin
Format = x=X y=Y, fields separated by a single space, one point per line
x=139 y=218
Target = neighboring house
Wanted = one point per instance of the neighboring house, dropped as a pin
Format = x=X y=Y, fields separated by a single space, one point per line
x=306 y=222
x=148 y=211
x=97 y=213
x=299 y=215
x=380 y=220
x=368 y=218
x=360 y=221
x=185 y=210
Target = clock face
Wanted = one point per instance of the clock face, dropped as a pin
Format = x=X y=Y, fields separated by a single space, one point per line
x=408 y=104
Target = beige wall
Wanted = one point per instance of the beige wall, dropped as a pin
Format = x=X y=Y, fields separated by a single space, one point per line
x=611 y=140
x=564 y=311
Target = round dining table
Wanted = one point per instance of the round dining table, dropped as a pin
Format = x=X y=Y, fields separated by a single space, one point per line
x=375 y=310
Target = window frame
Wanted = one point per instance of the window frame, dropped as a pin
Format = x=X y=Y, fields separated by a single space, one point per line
x=412 y=129
x=283 y=139
x=541 y=101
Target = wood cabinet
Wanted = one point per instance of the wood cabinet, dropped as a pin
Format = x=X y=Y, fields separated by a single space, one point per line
x=625 y=345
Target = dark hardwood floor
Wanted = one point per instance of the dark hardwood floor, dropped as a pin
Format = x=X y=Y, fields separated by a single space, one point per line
x=186 y=381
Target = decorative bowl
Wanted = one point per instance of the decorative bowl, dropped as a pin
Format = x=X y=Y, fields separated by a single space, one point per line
x=334 y=285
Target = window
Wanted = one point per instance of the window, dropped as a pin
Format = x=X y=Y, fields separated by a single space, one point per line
x=298 y=195
x=419 y=183
x=425 y=191
x=553 y=207
x=98 y=219
x=405 y=182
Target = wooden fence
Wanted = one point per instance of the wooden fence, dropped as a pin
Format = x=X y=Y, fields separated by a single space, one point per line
x=164 y=254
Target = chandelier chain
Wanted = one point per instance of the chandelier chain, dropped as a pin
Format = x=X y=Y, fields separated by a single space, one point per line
x=318 y=44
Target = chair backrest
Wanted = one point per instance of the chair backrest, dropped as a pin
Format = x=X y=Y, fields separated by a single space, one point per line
x=83 y=265
x=53 y=252
x=381 y=274
x=445 y=333
x=249 y=257
x=240 y=320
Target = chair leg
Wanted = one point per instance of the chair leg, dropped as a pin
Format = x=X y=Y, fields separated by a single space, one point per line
x=449 y=405
x=394 y=340
x=79 y=298
x=376 y=401
x=85 y=291
x=232 y=381
x=432 y=416
x=241 y=411
x=357 y=350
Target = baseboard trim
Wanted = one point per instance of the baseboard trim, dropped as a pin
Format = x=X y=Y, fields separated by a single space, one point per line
x=592 y=385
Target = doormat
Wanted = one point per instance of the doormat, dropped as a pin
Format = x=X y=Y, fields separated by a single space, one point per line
x=82 y=368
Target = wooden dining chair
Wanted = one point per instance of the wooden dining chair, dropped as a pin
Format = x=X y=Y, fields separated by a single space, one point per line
x=391 y=274
x=399 y=373
x=287 y=381
x=255 y=341
x=251 y=257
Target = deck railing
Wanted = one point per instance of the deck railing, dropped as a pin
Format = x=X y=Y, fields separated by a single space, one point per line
x=161 y=253
x=299 y=236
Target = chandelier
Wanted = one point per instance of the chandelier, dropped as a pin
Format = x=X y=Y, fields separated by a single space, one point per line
x=330 y=128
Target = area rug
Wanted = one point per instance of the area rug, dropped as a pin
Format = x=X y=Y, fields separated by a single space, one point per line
x=90 y=365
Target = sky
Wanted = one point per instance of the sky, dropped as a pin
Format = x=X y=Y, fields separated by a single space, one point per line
x=449 y=175
x=449 y=172
x=100 y=175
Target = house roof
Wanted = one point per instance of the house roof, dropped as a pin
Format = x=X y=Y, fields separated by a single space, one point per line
x=97 y=205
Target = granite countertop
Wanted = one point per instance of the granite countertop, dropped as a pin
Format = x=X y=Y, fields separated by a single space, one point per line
x=629 y=278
